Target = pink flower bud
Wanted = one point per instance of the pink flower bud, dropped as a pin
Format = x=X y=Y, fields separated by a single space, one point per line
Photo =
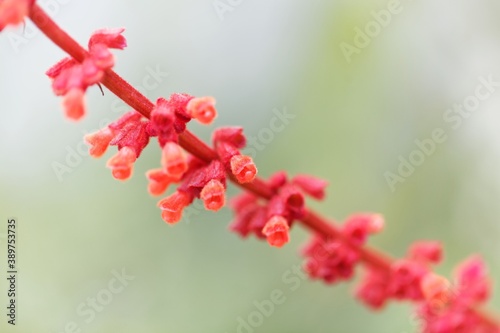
x=373 y=289
x=101 y=56
x=62 y=65
x=91 y=72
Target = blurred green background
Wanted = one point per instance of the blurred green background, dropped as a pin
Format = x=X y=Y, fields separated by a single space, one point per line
x=352 y=122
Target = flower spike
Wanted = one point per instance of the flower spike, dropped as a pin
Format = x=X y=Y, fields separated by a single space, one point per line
x=269 y=208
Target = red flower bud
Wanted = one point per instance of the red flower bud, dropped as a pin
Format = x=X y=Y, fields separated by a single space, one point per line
x=173 y=160
x=213 y=195
x=426 y=252
x=158 y=181
x=122 y=163
x=277 y=180
x=243 y=168
x=276 y=231
x=74 y=104
x=373 y=289
x=405 y=280
x=202 y=109
x=122 y=173
x=358 y=226
x=13 y=11
x=112 y=38
x=436 y=289
x=313 y=186
x=99 y=141
x=173 y=205
x=294 y=200
x=232 y=135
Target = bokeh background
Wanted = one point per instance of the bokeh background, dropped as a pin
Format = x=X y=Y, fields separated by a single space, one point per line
x=352 y=122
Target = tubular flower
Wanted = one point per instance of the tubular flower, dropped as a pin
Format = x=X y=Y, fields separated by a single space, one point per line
x=99 y=141
x=122 y=163
x=173 y=205
x=213 y=195
x=243 y=168
x=159 y=181
x=173 y=160
x=276 y=231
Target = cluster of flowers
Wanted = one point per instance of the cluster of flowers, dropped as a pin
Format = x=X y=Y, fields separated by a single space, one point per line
x=441 y=306
x=444 y=307
x=71 y=79
x=447 y=307
x=196 y=178
x=272 y=219
x=201 y=179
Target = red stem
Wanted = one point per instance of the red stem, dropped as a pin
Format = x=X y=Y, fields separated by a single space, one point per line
x=198 y=148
